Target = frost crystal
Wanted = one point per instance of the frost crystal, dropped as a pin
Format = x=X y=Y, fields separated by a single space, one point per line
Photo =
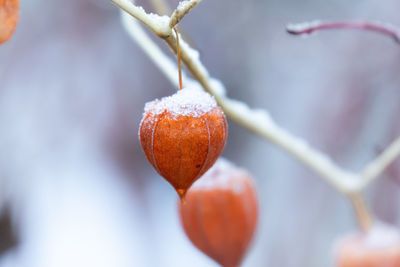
x=160 y=21
x=190 y=101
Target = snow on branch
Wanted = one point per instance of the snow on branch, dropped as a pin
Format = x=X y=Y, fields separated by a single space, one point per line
x=183 y=8
x=310 y=27
x=160 y=25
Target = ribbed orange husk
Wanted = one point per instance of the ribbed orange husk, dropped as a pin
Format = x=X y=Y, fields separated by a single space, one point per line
x=221 y=221
x=182 y=148
x=353 y=253
x=9 y=15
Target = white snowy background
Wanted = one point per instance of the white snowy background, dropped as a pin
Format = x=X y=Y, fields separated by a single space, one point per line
x=72 y=90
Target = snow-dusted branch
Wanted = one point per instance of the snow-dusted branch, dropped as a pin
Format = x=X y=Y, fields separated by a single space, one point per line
x=377 y=166
x=310 y=27
x=160 y=25
x=183 y=8
x=258 y=121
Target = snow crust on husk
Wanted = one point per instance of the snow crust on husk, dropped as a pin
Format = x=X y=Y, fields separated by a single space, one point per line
x=190 y=101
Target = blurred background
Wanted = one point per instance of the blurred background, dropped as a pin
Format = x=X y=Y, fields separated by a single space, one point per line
x=75 y=186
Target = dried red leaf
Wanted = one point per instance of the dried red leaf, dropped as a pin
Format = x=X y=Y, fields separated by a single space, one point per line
x=377 y=248
x=220 y=213
x=9 y=15
x=182 y=137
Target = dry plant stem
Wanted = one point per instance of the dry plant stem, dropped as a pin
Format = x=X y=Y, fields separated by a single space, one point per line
x=178 y=54
x=255 y=120
x=364 y=216
x=310 y=27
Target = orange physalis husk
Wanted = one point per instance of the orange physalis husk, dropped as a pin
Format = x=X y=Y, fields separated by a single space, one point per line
x=183 y=135
x=220 y=213
x=379 y=247
x=9 y=14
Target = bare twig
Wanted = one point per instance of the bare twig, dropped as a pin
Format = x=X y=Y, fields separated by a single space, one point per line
x=377 y=166
x=310 y=27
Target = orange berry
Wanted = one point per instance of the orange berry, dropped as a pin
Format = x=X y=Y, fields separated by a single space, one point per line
x=379 y=247
x=9 y=14
x=183 y=135
x=220 y=213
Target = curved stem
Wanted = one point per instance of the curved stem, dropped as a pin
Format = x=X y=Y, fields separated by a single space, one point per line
x=310 y=27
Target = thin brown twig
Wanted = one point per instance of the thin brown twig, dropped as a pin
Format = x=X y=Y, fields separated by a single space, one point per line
x=178 y=55
x=362 y=211
x=379 y=27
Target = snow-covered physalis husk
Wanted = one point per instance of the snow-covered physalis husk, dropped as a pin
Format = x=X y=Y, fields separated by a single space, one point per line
x=9 y=14
x=183 y=135
x=220 y=213
x=379 y=247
